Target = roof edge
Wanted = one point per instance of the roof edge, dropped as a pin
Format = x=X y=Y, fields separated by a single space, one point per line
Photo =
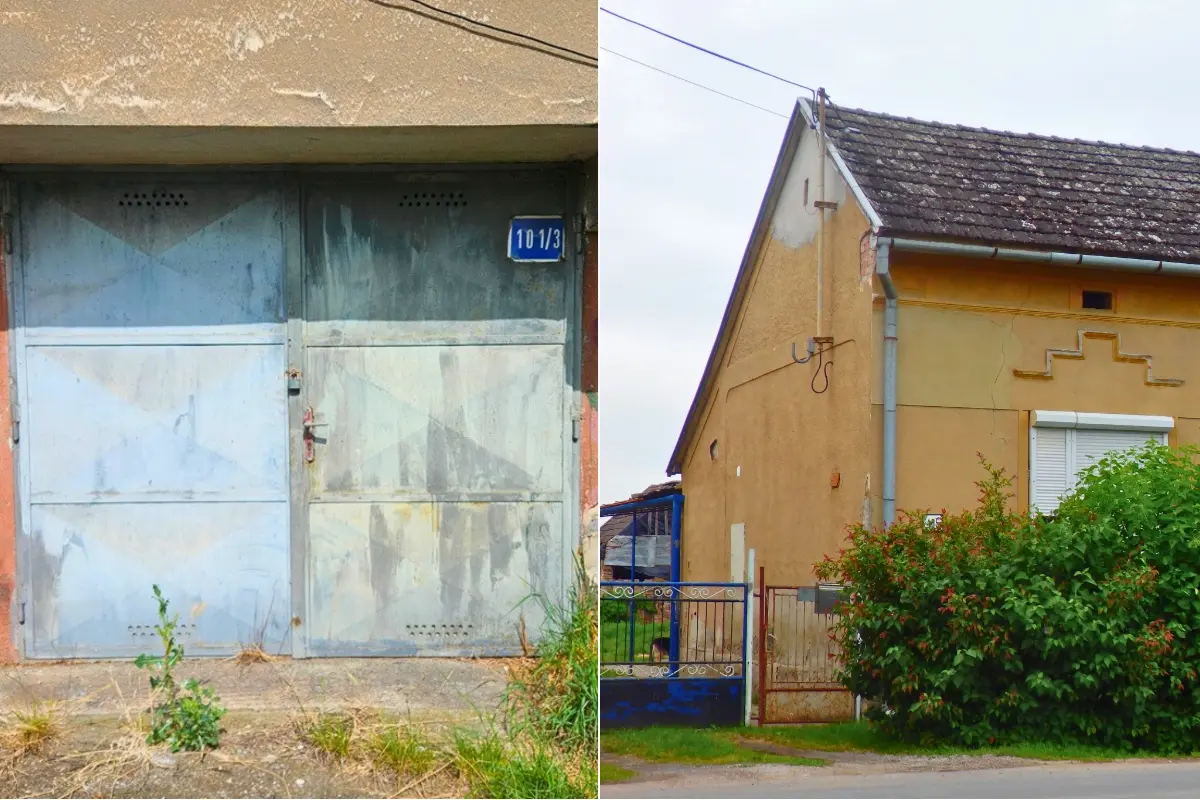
x=800 y=121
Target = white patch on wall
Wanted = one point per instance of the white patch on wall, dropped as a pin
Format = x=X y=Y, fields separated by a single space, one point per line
x=737 y=552
x=794 y=224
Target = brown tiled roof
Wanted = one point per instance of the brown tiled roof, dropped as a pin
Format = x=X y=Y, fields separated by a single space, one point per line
x=931 y=180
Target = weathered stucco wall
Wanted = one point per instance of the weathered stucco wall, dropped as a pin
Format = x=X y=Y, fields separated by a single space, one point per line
x=966 y=325
x=781 y=442
x=294 y=63
x=299 y=81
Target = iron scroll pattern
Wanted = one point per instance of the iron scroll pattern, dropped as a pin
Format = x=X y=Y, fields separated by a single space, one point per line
x=665 y=592
x=656 y=630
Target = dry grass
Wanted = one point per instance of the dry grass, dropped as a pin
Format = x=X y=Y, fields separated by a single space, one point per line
x=411 y=755
x=30 y=730
x=253 y=654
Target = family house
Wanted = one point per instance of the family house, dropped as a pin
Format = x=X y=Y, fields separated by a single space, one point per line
x=300 y=323
x=916 y=293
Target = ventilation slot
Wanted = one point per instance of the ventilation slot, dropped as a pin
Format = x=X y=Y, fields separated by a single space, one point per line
x=439 y=631
x=153 y=199
x=183 y=630
x=427 y=199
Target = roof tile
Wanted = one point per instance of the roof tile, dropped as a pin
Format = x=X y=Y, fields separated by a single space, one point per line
x=930 y=179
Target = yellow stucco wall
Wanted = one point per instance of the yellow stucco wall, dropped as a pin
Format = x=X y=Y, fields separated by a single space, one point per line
x=779 y=442
x=80 y=79
x=965 y=325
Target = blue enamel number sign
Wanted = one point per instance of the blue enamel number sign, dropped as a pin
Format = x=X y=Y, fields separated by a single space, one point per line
x=537 y=238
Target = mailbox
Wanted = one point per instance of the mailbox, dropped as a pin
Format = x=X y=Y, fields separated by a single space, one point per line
x=829 y=597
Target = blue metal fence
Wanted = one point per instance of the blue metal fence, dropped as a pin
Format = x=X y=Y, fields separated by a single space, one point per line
x=672 y=653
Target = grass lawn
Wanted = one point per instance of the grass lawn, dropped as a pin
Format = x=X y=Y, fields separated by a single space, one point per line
x=720 y=746
x=614 y=640
x=611 y=773
x=687 y=746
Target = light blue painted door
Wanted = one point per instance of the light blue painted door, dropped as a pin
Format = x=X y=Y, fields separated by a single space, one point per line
x=151 y=352
x=439 y=376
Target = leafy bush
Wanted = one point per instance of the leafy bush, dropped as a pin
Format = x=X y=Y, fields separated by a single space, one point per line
x=187 y=717
x=617 y=609
x=995 y=628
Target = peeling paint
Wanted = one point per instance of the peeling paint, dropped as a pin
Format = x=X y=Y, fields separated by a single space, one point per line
x=308 y=94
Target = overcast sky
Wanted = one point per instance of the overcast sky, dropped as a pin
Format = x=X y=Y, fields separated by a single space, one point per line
x=682 y=170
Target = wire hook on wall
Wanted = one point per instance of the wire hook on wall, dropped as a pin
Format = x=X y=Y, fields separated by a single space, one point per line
x=817 y=347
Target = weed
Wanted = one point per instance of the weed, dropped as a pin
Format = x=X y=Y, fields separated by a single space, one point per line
x=332 y=734
x=494 y=768
x=30 y=730
x=557 y=701
x=404 y=750
x=187 y=717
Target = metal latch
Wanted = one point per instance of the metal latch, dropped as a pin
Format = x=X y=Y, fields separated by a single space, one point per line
x=310 y=435
x=293 y=380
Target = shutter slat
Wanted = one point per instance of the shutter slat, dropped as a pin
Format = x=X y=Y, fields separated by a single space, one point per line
x=1092 y=445
x=1052 y=478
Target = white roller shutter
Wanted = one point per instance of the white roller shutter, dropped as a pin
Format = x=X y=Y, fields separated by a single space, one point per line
x=1051 y=468
x=1092 y=445
x=1064 y=444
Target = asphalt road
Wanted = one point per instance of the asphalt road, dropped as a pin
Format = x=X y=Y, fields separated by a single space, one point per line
x=1127 y=779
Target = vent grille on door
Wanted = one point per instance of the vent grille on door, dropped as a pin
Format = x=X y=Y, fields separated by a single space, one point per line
x=152 y=199
x=439 y=630
x=427 y=199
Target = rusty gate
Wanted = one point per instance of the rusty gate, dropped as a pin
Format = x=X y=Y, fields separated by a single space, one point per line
x=797 y=657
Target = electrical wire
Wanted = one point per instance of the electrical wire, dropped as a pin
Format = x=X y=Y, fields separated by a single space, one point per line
x=693 y=83
x=706 y=50
x=593 y=61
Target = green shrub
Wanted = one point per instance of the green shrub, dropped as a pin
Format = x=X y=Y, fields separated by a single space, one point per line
x=994 y=628
x=617 y=610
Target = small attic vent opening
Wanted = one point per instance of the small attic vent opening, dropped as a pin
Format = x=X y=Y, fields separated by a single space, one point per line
x=426 y=199
x=1100 y=301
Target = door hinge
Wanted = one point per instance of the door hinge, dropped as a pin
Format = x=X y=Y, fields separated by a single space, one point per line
x=16 y=431
x=6 y=232
x=21 y=615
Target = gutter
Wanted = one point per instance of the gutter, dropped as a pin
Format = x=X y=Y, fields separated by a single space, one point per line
x=1047 y=257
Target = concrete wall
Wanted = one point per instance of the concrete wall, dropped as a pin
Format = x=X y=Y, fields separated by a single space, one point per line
x=779 y=444
x=294 y=63
x=198 y=81
x=966 y=325
x=590 y=427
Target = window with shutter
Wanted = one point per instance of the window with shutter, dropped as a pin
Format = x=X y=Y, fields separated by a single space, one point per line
x=1064 y=443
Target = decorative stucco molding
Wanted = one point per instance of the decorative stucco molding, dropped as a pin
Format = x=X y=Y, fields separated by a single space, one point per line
x=1077 y=354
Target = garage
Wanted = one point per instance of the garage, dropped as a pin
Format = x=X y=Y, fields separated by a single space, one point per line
x=328 y=413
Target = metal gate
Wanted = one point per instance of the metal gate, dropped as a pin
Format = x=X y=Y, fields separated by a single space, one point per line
x=327 y=414
x=797 y=657
x=438 y=383
x=149 y=344
x=650 y=677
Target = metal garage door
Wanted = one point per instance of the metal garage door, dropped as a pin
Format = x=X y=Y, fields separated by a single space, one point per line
x=150 y=349
x=438 y=495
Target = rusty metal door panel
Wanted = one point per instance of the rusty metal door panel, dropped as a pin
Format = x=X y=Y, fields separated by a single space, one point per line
x=437 y=372
x=151 y=352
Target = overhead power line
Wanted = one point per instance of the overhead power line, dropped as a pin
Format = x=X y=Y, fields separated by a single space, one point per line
x=693 y=83
x=590 y=60
x=706 y=50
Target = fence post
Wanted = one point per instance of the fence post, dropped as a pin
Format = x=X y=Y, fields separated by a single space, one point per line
x=748 y=634
x=762 y=646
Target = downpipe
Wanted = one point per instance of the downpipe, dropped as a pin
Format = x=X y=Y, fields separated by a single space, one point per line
x=890 y=313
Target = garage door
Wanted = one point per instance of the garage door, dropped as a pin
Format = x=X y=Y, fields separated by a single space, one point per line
x=151 y=351
x=437 y=375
